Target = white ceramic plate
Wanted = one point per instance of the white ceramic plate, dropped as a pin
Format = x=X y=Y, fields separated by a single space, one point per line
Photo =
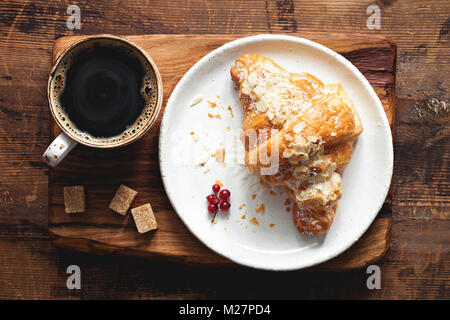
x=275 y=244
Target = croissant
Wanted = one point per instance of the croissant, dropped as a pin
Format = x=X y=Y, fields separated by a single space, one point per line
x=305 y=127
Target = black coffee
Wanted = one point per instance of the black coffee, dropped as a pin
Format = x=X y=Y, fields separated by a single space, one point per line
x=103 y=90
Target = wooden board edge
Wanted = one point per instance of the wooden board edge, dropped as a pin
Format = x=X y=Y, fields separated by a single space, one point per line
x=99 y=248
x=346 y=261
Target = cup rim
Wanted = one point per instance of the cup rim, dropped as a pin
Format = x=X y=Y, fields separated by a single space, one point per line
x=149 y=123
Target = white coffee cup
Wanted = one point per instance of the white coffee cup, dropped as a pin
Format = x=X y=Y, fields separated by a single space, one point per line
x=71 y=135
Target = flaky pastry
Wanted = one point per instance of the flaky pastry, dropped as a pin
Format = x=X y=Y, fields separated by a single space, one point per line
x=311 y=126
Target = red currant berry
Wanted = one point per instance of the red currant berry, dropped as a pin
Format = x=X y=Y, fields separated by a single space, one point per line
x=224 y=194
x=225 y=205
x=216 y=201
x=210 y=198
x=215 y=188
x=212 y=208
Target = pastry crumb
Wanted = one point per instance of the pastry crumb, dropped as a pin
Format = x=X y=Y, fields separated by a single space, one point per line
x=263 y=183
x=231 y=111
x=254 y=221
x=217 y=116
x=260 y=209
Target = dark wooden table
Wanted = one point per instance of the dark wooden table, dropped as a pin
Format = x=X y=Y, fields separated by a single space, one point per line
x=417 y=265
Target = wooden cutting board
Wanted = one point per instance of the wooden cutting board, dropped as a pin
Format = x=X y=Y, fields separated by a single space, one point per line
x=102 y=231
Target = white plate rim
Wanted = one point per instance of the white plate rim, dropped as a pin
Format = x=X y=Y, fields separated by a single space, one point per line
x=355 y=72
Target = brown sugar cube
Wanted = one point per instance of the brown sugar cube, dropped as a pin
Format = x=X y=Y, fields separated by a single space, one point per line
x=144 y=218
x=122 y=199
x=74 y=200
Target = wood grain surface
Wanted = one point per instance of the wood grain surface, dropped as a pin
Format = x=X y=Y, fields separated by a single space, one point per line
x=417 y=266
x=102 y=171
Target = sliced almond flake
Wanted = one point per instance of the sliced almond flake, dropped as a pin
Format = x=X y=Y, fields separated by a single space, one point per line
x=196 y=100
x=220 y=155
x=203 y=159
x=299 y=127
x=261 y=105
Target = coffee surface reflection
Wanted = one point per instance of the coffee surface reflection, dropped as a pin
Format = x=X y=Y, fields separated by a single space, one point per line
x=104 y=90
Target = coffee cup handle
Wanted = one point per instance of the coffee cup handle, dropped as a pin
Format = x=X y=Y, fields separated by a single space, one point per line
x=58 y=149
